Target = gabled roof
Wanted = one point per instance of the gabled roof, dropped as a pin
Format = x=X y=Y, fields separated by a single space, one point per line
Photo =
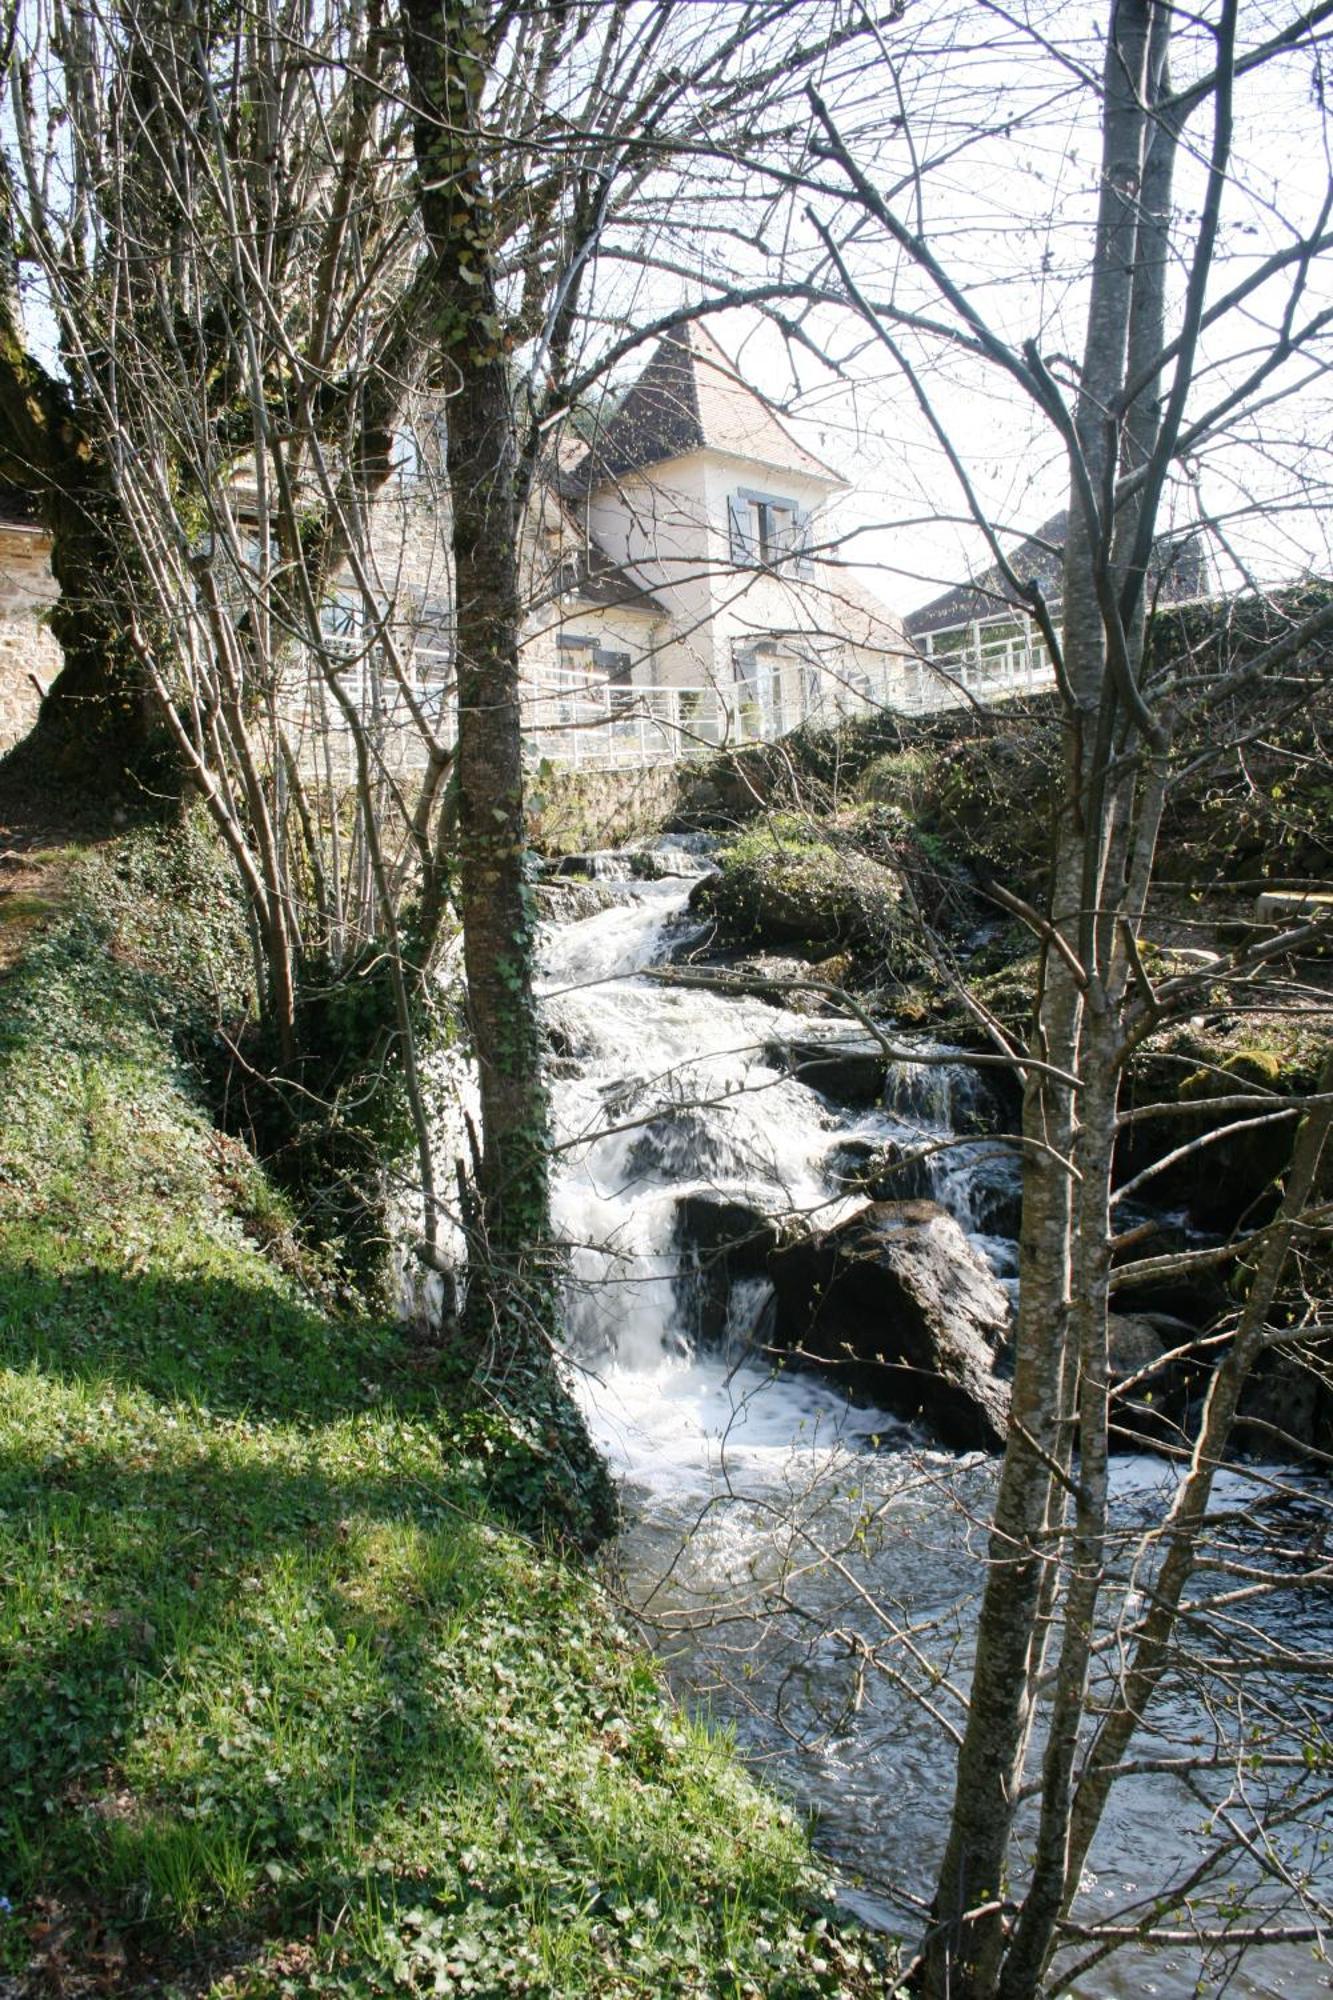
x=689 y=397
x=1177 y=572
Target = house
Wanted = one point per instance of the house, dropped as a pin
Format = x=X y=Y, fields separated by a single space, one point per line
x=701 y=560
x=682 y=589
x=985 y=641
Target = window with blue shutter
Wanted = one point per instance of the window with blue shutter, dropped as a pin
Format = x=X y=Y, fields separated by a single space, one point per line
x=767 y=530
x=743 y=551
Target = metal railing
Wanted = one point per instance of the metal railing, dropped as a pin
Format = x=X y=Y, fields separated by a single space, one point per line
x=980 y=669
x=584 y=722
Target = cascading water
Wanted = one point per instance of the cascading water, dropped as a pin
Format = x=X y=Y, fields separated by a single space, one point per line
x=769 y=1546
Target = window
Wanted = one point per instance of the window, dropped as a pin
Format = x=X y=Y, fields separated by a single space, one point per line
x=767 y=531
x=580 y=652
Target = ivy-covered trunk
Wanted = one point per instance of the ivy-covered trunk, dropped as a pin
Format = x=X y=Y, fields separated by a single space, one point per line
x=510 y=1314
x=98 y=724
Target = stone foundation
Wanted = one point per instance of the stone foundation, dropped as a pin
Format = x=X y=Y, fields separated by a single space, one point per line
x=578 y=812
x=29 y=656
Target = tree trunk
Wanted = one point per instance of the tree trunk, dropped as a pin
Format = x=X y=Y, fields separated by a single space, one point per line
x=98 y=724
x=510 y=1313
x=964 y=1952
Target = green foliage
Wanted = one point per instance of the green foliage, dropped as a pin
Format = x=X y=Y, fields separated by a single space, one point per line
x=784 y=881
x=287 y=1706
x=333 y=1131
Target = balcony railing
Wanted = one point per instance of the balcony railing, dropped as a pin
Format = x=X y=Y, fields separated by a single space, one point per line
x=584 y=722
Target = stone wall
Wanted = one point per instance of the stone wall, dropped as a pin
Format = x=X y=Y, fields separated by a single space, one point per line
x=578 y=812
x=27 y=649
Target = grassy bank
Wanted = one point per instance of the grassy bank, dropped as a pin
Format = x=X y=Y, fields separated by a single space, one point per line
x=290 y=1704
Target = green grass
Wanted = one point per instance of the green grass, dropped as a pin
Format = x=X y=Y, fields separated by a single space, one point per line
x=286 y=1704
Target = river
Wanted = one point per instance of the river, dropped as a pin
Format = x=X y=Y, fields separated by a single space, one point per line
x=809 y=1571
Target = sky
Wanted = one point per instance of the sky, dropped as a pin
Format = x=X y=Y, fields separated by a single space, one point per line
x=978 y=122
x=1003 y=127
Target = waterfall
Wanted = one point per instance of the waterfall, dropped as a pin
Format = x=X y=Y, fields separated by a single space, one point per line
x=741 y=1482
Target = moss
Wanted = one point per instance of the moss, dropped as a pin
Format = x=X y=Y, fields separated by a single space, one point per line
x=899 y=778
x=780 y=883
x=1237 y=1069
x=289 y=1705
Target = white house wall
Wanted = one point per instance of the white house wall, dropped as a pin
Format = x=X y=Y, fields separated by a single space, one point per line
x=662 y=529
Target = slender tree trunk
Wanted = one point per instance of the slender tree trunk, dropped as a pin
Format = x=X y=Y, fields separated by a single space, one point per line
x=510 y=1313
x=446 y=53
x=964 y=1952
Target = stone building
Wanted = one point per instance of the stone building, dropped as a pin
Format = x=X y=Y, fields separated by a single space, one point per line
x=29 y=656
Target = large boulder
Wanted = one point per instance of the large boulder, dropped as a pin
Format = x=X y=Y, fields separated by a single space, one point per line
x=1287 y=1407
x=1153 y=1411
x=774 y=891
x=569 y=901
x=899 y=1307
x=1232 y=1179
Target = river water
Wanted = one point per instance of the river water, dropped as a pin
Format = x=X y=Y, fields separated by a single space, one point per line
x=809 y=1571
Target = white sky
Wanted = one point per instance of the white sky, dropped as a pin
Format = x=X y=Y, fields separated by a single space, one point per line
x=1008 y=210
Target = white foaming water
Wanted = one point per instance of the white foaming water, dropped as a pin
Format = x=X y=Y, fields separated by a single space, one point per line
x=681 y=1091
x=676 y=1096
x=744 y=1479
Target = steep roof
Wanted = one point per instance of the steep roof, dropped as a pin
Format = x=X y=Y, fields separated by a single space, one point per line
x=1178 y=572
x=690 y=396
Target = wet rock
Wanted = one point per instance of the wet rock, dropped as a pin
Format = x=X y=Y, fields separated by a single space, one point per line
x=886 y=1172
x=776 y=979
x=899 y=1308
x=681 y=1144
x=1132 y=1344
x=721 y=1243
x=835 y=970
x=1287 y=1407
x=851 y=1073
x=950 y=1096
x=1151 y=1412
x=568 y=902
x=995 y=1192
x=1231 y=1179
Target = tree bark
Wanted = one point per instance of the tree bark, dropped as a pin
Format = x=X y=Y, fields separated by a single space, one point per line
x=511 y=1305
x=98 y=723
x=964 y=1952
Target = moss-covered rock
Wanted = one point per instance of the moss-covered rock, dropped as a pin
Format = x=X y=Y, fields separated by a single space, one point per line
x=778 y=885
x=1188 y=1071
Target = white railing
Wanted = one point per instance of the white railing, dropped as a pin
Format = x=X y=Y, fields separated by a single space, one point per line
x=585 y=723
x=981 y=670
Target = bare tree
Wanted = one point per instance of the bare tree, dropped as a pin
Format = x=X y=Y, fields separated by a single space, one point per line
x=271 y=246
x=1154 y=386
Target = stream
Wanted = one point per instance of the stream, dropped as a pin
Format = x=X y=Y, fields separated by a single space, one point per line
x=779 y=1543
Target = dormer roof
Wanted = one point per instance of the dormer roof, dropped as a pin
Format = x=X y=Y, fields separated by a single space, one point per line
x=594 y=577
x=688 y=398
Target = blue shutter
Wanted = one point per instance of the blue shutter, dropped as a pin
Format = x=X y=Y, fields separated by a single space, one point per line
x=743 y=551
